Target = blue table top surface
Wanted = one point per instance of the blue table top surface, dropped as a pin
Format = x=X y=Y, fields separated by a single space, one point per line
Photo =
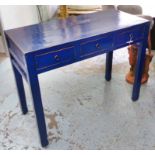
x=61 y=31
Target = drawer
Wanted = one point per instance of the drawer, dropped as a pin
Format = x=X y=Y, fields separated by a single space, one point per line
x=55 y=58
x=95 y=46
x=128 y=36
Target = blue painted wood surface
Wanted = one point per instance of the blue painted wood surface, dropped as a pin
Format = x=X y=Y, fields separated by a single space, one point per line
x=108 y=68
x=57 y=32
x=39 y=48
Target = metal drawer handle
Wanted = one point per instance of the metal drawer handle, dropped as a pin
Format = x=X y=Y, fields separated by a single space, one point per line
x=56 y=57
x=131 y=39
x=98 y=46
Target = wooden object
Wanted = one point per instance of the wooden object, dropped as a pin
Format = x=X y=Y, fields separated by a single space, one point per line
x=63 y=11
x=42 y=47
x=133 y=52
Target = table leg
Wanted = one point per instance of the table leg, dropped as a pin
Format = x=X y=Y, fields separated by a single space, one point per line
x=139 y=70
x=20 y=90
x=109 y=57
x=37 y=102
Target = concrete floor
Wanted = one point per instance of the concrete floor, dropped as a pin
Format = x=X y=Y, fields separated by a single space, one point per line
x=82 y=110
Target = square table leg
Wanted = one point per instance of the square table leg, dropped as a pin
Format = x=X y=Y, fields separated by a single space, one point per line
x=139 y=70
x=37 y=101
x=109 y=58
x=38 y=107
x=140 y=64
x=20 y=90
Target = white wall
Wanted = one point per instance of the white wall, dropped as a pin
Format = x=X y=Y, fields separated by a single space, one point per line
x=13 y=16
x=47 y=12
x=148 y=9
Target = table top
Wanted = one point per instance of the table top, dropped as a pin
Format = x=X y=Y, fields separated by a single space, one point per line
x=61 y=31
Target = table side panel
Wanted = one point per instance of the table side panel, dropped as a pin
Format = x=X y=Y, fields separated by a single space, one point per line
x=17 y=57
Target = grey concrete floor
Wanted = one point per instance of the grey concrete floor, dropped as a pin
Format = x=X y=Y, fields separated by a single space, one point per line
x=82 y=110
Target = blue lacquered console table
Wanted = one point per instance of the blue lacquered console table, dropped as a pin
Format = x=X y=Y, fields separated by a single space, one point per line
x=42 y=47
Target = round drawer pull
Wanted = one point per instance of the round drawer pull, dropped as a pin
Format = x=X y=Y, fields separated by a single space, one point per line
x=98 y=46
x=56 y=57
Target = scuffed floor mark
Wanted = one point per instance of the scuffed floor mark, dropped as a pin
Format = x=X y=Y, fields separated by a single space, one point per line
x=54 y=134
x=75 y=146
x=7 y=141
x=1 y=99
x=11 y=115
x=53 y=122
x=79 y=100
x=6 y=134
x=53 y=137
x=84 y=99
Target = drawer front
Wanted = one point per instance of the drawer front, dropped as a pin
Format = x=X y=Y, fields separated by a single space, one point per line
x=128 y=36
x=55 y=58
x=95 y=46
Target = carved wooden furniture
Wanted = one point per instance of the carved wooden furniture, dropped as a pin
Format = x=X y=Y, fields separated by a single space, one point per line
x=133 y=49
x=63 y=11
x=68 y=10
x=43 y=47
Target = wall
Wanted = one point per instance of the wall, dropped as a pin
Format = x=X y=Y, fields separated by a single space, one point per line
x=13 y=16
x=47 y=12
x=18 y=15
x=148 y=9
